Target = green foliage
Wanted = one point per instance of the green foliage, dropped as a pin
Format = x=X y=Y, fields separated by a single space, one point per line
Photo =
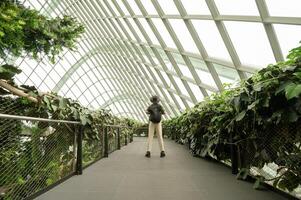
x=47 y=153
x=23 y=30
x=7 y=72
x=262 y=115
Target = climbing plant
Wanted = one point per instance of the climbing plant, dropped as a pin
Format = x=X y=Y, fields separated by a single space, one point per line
x=261 y=117
x=25 y=32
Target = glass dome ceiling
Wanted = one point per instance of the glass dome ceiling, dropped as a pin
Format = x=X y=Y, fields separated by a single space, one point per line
x=178 y=49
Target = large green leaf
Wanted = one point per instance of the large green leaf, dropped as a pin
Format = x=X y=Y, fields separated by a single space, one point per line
x=7 y=72
x=241 y=115
x=292 y=90
x=298 y=74
x=282 y=87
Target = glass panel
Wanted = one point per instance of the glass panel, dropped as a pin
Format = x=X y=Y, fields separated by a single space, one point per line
x=198 y=64
x=88 y=95
x=137 y=30
x=155 y=74
x=251 y=43
x=70 y=58
x=164 y=33
x=44 y=87
x=202 y=72
x=180 y=102
x=237 y=7
x=156 y=61
x=183 y=35
x=196 y=7
x=288 y=8
x=112 y=6
x=168 y=96
x=83 y=100
x=182 y=65
x=127 y=29
x=105 y=9
x=147 y=72
x=123 y=8
x=37 y=4
x=205 y=77
x=134 y=7
x=196 y=91
x=120 y=32
x=181 y=86
x=60 y=69
x=91 y=75
x=112 y=108
x=35 y=78
x=149 y=31
x=288 y=36
x=163 y=55
x=87 y=80
x=54 y=76
x=49 y=82
x=211 y=39
x=249 y=74
x=95 y=7
x=226 y=74
x=209 y=92
x=149 y=7
x=169 y=7
x=185 y=71
x=94 y=104
x=20 y=78
x=190 y=104
x=100 y=90
x=166 y=78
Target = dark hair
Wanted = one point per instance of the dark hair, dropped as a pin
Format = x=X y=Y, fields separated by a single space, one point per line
x=155 y=99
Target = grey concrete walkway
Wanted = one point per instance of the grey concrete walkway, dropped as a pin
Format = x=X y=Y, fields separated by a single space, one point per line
x=128 y=175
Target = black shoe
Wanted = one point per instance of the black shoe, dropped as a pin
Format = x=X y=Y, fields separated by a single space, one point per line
x=162 y=154
x=148 y=154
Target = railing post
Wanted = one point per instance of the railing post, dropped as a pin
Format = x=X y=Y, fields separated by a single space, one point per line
x=118 y=138
x=79 y=154
x=132 y=135
x=234 y=160
x=106 y=143
x=126 y=139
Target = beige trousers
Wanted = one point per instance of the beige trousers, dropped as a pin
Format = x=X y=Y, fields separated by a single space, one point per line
x=151 y=130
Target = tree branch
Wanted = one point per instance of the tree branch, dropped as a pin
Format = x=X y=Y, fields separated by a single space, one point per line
x=16 y=91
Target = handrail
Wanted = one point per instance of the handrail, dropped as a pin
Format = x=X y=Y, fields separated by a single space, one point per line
x=73 y=139
x=115 y=126
x=17 y=117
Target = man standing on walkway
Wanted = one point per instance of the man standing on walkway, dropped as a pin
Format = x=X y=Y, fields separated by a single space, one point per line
x=155 y=111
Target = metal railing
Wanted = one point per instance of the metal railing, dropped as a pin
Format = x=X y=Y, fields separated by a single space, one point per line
x=280 y=153
x=37 y=154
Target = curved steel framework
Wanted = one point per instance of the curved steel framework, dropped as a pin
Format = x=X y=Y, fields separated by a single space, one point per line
x=133 y=49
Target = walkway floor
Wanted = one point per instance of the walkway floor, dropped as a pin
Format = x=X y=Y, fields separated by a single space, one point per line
x=128 y=175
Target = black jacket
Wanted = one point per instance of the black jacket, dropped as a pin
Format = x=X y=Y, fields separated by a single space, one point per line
x=155 y=112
